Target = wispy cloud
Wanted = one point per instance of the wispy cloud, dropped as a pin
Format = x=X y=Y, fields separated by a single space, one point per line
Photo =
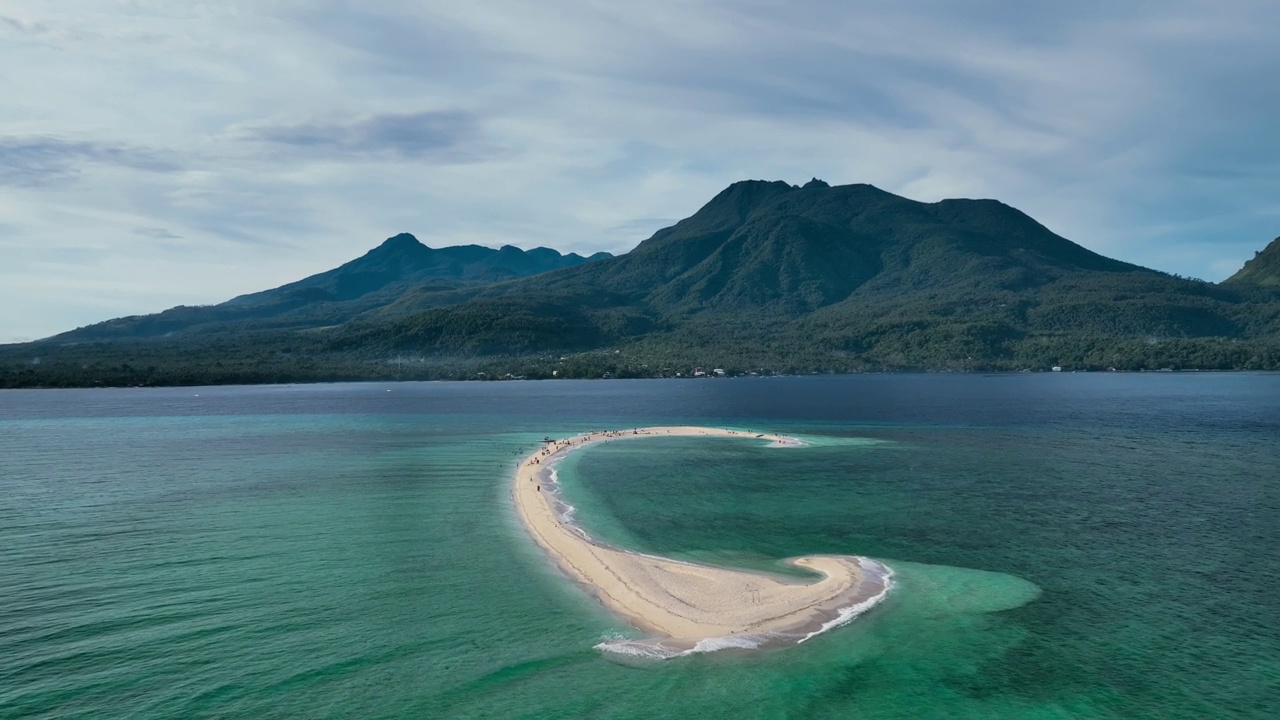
x=18 y=26
x=34 y=161
x=157 y=233
x=444 y=136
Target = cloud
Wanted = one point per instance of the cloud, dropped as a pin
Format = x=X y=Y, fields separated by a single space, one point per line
x=443 y=136
x=206 y=150
x=157 y=233
x=34 y=161
x=17 y=26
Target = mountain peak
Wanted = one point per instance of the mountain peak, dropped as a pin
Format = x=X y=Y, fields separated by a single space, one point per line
x=748 y=189
x=733 y=204
x=401 y=241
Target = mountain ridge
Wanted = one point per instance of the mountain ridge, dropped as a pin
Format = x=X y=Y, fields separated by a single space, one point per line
x=363 y=284
x=811 y=237
x=851 y=268
x=764 y=275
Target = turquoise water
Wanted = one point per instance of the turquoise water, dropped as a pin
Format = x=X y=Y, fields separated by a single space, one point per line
x=1082 y=547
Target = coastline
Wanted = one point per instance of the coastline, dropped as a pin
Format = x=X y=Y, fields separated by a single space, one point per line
x=687 y=607
x=23 y=383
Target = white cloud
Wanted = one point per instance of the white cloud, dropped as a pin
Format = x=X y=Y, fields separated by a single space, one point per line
x=162 y=152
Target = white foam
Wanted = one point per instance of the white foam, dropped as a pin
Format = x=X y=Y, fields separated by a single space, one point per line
x=637 y=649
x=656 y=651
x=745 y=642
x=845 y=614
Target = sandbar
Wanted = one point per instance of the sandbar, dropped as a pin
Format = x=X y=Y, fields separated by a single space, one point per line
x=683 y=606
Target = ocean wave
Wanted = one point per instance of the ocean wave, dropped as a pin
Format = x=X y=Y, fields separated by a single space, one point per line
x=634 y=648
x=563 y=509
x=845 y=614
x=655 y=650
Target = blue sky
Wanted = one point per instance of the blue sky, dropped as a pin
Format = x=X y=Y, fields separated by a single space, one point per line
x=156 y=153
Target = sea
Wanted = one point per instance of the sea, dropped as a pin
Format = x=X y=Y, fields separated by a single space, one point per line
x=1063 y=546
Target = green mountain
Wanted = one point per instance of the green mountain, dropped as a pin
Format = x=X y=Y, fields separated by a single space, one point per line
x=379 y=277
x=766 y=276
x=848 y=271
x=1263 y=269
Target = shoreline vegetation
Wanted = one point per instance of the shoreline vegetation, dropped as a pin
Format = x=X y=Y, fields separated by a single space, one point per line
x=32 y=378
x=688 y=607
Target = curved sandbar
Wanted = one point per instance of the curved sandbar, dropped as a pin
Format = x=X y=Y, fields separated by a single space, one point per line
x=687 y=606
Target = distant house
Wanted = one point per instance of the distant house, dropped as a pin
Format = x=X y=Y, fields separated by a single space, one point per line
x=697 y=372
x=719 y=372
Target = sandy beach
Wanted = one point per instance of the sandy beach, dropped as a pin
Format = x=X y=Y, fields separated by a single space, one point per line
x=684 y=605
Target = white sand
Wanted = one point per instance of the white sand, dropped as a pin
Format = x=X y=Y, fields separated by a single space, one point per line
x=683 y=603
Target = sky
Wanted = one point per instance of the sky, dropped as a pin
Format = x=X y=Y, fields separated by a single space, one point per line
x=157 y=153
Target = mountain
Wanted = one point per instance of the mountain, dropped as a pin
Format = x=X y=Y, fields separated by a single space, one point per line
x=786 y=250
x=403 y=260
x=375 y=279
x=766 y=276
x=793 y=250
x=846 y=266
x=1263 y=269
